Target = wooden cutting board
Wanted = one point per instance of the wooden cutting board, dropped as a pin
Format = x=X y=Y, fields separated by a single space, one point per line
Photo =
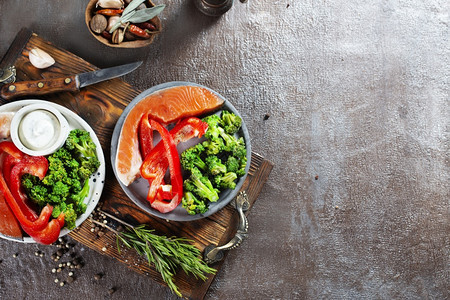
x=101 y=105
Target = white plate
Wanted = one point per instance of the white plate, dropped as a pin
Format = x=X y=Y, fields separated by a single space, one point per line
x=137 y=191
x=96 y=181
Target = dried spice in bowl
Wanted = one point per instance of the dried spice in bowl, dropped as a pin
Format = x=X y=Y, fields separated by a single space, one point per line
x=125 y=24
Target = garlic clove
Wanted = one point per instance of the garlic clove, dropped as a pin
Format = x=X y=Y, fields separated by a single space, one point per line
x=40 y=59
x=111 y=21
x=110 y=3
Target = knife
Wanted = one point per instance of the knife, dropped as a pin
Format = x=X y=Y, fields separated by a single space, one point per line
x=64 y=84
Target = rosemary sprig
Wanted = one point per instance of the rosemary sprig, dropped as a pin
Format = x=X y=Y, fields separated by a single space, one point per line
x=166 y=254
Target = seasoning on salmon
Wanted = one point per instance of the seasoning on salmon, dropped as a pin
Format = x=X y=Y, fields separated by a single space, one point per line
x=166 y=106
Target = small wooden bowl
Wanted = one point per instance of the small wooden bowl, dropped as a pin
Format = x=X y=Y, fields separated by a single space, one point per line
x=138 y=43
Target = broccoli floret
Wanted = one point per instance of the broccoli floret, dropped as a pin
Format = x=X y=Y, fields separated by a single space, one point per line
x=232 y=164
x=232 y=144
x=189 y=186
x=213 y=147
x=78 y=199
x=213 y=122
x=61 y=189
x=57 y=183
x=58 y=209
x=88 y=166
x=201 y=186
x=76 y=186
x=230 y=122
x=230 y=141
x=79 y=141
x=70 y=216
x=34 y=189
x=54 y=199
x=71 y=164
x=27 y=184
x=242 y=165
x=192 y=204
x=58 y=174
x=55 y=162
x=239 y=150
x=64 y=156
x=215 y=165
x=56 y=171
x=28 y=181
x=191 y=158
x=226 y=181
x=38 y=194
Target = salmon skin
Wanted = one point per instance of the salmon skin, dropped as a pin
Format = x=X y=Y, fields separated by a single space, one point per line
x=165 y=106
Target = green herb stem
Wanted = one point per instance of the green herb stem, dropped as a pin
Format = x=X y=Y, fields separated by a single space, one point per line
x=166 y=254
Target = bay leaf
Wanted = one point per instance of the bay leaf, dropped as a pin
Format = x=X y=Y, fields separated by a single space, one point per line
x=146 y=14
x=132 y=6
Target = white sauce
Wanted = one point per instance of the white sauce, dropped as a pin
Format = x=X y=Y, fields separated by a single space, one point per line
x=39 y=129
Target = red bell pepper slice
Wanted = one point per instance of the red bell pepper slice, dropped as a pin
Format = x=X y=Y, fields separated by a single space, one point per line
x=145 y=136
x=155 y=184
x=156 y=163
x=50 y=233
x=21 y=216
x=34 y=165
x=11 y=149
x=40 y=229
x=165 y=207
x=164 y=192
x=176 y=180
x=38 y=224
x=187 y=129
x=8 y=164
x=183 y=131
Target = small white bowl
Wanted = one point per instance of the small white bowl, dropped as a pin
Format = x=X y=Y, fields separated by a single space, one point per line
x=23 y=125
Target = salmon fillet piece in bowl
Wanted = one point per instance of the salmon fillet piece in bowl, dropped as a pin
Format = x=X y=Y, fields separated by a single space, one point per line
x=165 y=106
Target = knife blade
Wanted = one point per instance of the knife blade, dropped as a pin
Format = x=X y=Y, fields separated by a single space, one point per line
x=64 y=84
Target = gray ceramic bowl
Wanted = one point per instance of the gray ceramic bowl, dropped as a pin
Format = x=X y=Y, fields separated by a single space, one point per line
x=137 y=191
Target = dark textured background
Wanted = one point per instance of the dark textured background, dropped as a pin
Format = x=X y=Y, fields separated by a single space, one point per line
x=357 y=205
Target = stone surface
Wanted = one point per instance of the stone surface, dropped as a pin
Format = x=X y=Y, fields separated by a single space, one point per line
x=349 y=100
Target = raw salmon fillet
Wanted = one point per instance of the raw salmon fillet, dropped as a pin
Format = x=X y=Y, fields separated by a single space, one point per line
x=8 y=223
x=5 y=124
x=165 y=106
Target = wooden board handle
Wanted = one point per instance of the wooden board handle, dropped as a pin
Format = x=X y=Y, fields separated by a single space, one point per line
x=39 y=87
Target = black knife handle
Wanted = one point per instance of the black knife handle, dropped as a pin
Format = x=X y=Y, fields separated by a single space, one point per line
x=39 y=87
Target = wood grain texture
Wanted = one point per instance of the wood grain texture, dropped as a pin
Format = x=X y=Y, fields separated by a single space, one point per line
x=100 y=106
